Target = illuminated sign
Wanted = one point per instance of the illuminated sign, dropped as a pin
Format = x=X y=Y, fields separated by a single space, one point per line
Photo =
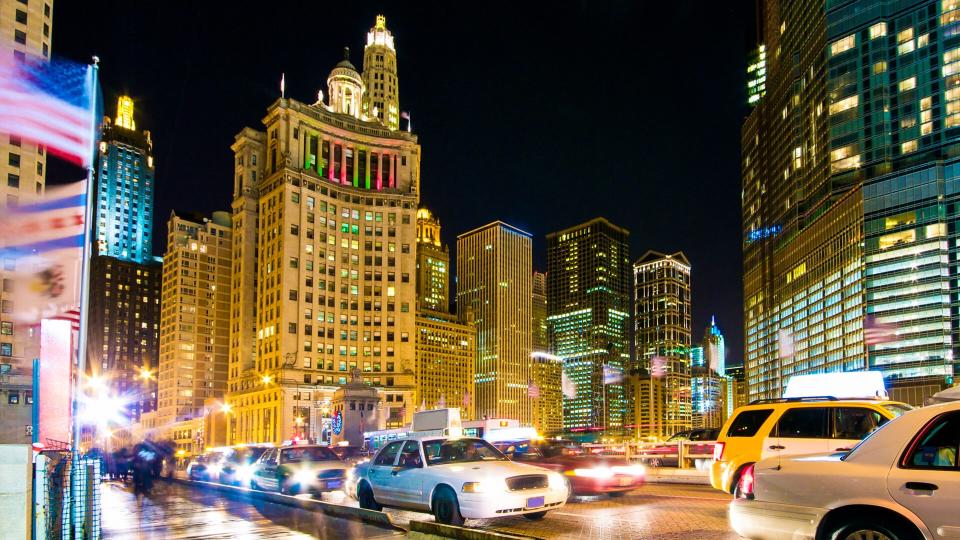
x=766 y=232
x=338 y=423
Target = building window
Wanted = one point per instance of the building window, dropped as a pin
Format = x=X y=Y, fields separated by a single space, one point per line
x=21 y=17
x=908 y=84
x=14 y=160
x=878 y=30
x=13 y=180
x=843 y=44
x=6 y=349
x=6 y=328
x=20 y=37
x=13 y=397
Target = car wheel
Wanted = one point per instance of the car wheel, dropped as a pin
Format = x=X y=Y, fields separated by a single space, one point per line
x=655 y=462
x=366 y=498
x=735 y=486
x=873 y=529
x=616 y=494
x=535 y=516
x=570 y=495
x=446 y=509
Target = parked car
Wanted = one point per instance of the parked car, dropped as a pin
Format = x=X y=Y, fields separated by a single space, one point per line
x=901 y=483
x=455 y=479
x=794 y=426
x=666 y=454
x=585 y=474
x=294 y=469
x=237 y=468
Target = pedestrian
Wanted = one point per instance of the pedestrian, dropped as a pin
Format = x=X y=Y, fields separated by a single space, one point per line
x=142 y=474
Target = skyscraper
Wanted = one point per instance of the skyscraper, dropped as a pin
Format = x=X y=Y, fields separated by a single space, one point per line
x=123 y=334
x=494 y=286
x=714 y=348
x=446 y=358
x=25 y=31
x=588 y=301
x=325 y=201
x=706 y=379
x=803 y=228
x=382 y=96
x=125 y=170
x=662 y=315
x=892 y=71
x=433 y=265
x=541 y=342
x=546 y=369
x=194 y=329
x=847 y=196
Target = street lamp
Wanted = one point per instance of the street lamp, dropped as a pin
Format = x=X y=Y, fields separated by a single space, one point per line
x=265 y=379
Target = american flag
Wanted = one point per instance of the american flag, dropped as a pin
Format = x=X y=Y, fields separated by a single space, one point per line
x=50 y=103
x=533 y=391
x=405 y=115
x=876 y=332
x=568 y=386
x=72 y=315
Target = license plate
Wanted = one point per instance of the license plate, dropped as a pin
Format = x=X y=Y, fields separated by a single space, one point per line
x=334 y=483
x=626 y=481
x=535 y=502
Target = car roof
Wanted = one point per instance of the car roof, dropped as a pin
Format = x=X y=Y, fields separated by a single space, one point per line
x=821 y=403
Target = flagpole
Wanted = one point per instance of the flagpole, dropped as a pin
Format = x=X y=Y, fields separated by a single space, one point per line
x=84 y=301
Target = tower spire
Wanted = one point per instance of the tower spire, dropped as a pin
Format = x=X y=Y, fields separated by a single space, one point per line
x=380 y=75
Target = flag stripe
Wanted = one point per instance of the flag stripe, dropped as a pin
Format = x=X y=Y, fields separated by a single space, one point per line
x=54 y=204
x=40 y=247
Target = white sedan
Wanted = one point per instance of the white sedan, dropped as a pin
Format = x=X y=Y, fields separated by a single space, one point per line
x=454 y=479
x=901 y=483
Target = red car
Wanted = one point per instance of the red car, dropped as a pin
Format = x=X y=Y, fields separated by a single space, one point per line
x=699 y=441
x=585 y=474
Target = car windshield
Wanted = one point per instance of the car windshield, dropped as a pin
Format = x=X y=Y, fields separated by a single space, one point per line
x=310 y=453
x=870 y=436
x=898 y=409
x=444 y=451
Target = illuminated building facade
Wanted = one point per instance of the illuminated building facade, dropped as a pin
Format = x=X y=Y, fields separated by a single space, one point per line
x=662 y=321
x=757 y=75
x=125 y=278
x=123 y=340
x=852 y=217
x=588 y=301
x=735 y=391
x=195 y=317
x=714 y=348
x=907 y=112
x=382 y=97
x=494 y=286
x=541 y=342
x=324 y=230
x=803 y=228
x=125 y=170
x=446 y=354
x=433 y=265
x=25 y=31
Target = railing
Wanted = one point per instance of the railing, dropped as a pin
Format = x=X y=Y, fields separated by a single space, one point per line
x=682 y=454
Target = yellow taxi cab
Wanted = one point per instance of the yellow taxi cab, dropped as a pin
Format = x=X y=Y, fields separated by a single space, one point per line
x=793 y=426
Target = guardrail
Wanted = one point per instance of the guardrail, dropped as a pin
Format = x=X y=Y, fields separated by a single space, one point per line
x=683 y=454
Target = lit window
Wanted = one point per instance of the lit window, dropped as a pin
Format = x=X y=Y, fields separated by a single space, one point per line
x=923 y=40
x=950 y=10
x=843 y=44
x=909 y=146
x=908 y=84
x=878 y=30
x=844 y=104
x=905 y=43
x=879 y=67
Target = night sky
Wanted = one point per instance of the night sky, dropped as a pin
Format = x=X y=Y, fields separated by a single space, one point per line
x=541 y=116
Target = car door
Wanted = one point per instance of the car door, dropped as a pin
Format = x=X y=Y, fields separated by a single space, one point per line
x=926 y=477
x=801 y=430
x=408 y=475
x=265 y=473
x=380 y=473
x=849 y=425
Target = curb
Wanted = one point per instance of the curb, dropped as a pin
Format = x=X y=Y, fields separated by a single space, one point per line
x=429 y=530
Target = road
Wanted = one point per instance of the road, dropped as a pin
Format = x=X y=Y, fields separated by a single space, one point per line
x=654 y=512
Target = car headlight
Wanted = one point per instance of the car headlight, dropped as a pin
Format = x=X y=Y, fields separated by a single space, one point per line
x=556 y=481
x=304 y=477
x=596 y=472
x=473 y=487
x=244 y=473
x=632 y=470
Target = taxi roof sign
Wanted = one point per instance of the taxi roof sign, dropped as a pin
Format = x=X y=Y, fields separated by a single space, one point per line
x=840 y=385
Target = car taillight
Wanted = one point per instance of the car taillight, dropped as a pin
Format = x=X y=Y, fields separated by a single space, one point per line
x=747 y=480
x=718 y=451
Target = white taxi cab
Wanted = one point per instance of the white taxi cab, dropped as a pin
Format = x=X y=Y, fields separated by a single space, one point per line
x=456 y=478
x=900 y=483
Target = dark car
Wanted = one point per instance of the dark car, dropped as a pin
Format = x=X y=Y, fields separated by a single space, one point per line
x=351 y=455
x=237 y=468
x=586 y=474
x=297 y=469
x=699 y=442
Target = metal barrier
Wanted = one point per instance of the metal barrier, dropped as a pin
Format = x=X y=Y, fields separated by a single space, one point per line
x=62 y=513
x=686 y=454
